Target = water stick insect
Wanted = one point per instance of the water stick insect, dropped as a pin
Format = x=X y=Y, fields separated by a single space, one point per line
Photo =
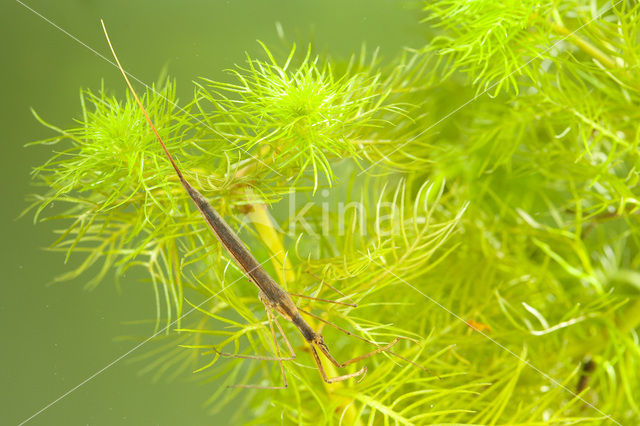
x=274 y=297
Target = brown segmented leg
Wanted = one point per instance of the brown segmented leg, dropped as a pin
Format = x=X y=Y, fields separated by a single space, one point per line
x=323 y=300
x=278 y=357
x=360 y=372
x=367 y=355
x=322 y=282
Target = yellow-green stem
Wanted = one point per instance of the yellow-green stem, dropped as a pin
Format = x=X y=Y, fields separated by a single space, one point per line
x=587 y=47
x=269 y=236
x=286 y=274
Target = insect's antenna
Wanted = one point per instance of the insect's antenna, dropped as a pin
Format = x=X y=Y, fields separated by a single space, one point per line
x=144 y=111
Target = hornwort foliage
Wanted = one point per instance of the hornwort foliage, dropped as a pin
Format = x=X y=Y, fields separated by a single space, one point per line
x=517 y=212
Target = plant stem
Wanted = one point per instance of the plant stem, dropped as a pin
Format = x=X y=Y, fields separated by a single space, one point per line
x=630 y=319
x=583 y=44
x=264 y=225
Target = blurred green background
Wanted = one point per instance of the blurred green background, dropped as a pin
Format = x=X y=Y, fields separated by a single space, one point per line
x=56 y=336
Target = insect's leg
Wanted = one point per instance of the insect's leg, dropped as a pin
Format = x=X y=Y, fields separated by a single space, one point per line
x=323 y=282
x=278 y=356
x=323 y=300
x=385 y=348
x=360 y=372
x=265 y=358
x=277 y=348
x=284 y=336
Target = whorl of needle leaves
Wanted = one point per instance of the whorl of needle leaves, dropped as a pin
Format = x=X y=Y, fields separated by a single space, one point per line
x=534 y=238
x=307 y=116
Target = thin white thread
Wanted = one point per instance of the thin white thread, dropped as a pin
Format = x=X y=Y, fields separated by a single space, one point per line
x=372 y=165
x=500 y=345
x=91 y=377
x=489 y=88
x=144 y=84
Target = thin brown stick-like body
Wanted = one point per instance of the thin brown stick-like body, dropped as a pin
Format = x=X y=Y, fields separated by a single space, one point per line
x=270 y=293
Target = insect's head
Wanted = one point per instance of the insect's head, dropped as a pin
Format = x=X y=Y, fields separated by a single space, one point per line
x=319 y=341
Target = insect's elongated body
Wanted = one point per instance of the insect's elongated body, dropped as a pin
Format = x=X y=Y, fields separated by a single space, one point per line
x=240 y=253
x=270 y=293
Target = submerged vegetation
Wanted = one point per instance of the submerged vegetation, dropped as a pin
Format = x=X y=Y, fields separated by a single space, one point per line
x=478 y=195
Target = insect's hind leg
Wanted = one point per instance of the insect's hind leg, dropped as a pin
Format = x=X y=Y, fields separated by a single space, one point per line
x=379 y=349
x=353 y=305
x=278 y=356
x=360 y=373
x=326 y=284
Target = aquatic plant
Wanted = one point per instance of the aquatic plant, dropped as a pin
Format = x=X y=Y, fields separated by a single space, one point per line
x=478 y=195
